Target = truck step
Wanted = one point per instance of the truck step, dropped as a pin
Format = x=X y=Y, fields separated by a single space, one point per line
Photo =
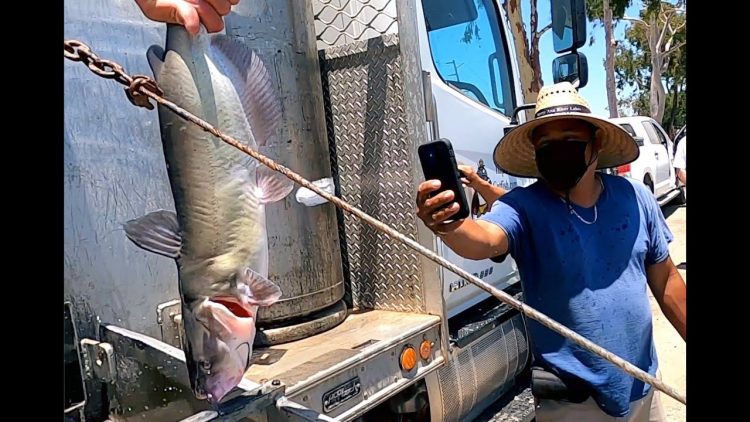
x=466 y=327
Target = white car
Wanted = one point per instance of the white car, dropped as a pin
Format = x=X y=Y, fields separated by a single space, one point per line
x=654 y=166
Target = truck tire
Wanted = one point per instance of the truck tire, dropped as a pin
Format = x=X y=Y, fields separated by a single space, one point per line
x=647 y=181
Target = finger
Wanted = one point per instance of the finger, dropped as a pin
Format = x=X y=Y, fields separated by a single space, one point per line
x=425 y=188
x=426 y=208
x=210 y=17
x=187 y=16
x=171 y=11
x=445 y=213
x=438 y=200
x=222 y=7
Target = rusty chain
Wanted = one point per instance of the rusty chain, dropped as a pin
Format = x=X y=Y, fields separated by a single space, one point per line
x=140 y=88
x=79 y=52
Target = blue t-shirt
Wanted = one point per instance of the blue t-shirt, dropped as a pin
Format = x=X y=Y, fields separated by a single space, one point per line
x=590 y=278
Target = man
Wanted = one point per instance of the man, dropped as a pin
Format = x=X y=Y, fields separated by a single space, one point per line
x=482 y=172
x=680 y=160
x=587 y=245
x=483 y=187
x=189 y=13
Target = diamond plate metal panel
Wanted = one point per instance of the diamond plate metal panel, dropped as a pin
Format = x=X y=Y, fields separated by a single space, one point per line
x=339 y=22
x=371 y=156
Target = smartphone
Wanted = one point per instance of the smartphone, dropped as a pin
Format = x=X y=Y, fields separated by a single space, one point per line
x=439 y=162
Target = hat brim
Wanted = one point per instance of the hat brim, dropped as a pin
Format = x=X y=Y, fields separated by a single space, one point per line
x=515 y=154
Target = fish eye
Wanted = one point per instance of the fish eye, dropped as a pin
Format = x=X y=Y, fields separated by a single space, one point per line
x=205 y=366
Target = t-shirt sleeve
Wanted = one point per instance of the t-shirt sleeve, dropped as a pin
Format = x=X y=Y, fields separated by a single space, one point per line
x=506 y=215
x=660 y=236
x=680 y=161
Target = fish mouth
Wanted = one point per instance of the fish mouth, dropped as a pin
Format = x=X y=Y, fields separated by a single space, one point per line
x=234 y=306
x=200 y=394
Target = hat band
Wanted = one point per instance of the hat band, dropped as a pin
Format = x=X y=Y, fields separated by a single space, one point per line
x=566 y=108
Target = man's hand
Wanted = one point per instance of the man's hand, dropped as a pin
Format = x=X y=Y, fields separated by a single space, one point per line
x=471 y=178
x=189 y=13
x=427 y=208
x=489 y=192
x=468 y=238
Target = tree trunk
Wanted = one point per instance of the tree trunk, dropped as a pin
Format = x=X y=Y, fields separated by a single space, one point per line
x=658 y=95
x=536 y=80
x=609 y=61
x=515 y=17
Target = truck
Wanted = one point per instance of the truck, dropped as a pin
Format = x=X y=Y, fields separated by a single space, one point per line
x=367 y=329
x=654 y=167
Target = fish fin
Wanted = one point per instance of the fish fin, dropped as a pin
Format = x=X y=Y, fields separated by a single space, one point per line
x=157 y=232
x=261 y=291
x=256 y=92
x=273 y=185
x=227 y=326
x=155 y=56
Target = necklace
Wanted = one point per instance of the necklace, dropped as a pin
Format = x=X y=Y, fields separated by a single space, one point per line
x=573 y=211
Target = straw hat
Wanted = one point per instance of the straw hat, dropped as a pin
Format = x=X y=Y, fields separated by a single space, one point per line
x=515 y=155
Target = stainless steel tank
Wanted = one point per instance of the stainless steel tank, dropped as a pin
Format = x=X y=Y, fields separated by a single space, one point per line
x=115 y=171
x=304 y=256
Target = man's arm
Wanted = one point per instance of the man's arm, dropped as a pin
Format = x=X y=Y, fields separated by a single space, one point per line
x=476 y=240
x=682 y=175
x=670 y=292
x=468 y=238
x=489 y=192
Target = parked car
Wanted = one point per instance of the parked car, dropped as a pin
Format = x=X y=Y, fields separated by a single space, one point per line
x=654 y=165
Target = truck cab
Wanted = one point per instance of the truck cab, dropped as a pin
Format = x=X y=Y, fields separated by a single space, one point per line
x=475 y=87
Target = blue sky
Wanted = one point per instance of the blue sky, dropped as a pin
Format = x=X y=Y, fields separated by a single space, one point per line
x=596 y=90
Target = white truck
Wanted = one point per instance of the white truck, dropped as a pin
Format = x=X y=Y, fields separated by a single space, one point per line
x=654 y=165
x=366 y=329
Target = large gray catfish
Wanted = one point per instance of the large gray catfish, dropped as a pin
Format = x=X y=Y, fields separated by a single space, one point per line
x=218 y=234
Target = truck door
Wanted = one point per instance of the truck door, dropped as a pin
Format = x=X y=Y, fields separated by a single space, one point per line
x=663 y=163
x=464 y=45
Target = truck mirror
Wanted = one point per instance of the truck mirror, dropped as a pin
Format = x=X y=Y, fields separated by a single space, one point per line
x=568 y=24
x=572 y=68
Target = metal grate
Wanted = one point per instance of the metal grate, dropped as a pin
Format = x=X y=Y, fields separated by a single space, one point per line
x=371 y=159
x=477 y=371
x=339 y=22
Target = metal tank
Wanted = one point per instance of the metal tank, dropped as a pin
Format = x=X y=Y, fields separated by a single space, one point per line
x=114 y=171
x=304 y=256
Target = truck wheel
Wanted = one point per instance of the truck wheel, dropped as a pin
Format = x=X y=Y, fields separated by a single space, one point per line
x=647 y=181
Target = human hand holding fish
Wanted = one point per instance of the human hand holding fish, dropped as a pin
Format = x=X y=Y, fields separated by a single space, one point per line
x=189 y=13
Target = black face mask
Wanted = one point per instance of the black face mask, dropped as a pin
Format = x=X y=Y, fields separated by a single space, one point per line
x=563 y=163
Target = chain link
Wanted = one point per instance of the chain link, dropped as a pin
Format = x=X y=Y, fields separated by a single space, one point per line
x=135 y=86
